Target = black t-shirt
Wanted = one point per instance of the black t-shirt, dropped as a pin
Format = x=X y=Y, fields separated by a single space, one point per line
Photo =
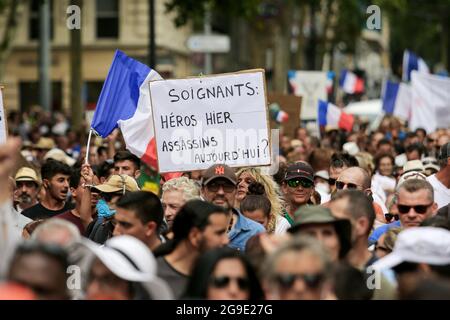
x=100 y=230
x=38 y=211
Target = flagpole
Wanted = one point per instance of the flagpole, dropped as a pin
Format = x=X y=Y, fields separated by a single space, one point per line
x=87 y=147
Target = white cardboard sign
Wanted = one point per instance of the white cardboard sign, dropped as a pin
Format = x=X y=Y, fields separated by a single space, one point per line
x=3 y=132
x=311 y=86
x=214 y=119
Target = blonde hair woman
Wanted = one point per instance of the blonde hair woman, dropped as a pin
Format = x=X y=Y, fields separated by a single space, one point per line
x=277 y=223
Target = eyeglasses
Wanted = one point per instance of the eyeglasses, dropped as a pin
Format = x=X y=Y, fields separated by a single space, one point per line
x=389 y=216
x=215 y=186
x=341 y=185
x=419 y=208
x=224 y=281
x=332 y=181
x=287 y=280
x=305 y=183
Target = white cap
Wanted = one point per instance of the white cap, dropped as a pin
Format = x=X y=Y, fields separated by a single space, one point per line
x=428 y=245
x=413 y=165
x=131 y=260
x=400 y=160
x=351 y=148
x=410 y=175
x=430 y=163
x=322 y=174
x=59 y=155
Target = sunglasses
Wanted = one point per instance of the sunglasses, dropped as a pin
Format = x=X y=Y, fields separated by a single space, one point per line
x=294 y=183
x=379 y=247
x=419 y=208
x=215 y=186
x=389 y=216
x=341 y=185
x=287 y=280
x=332 y=181
x=224 y=281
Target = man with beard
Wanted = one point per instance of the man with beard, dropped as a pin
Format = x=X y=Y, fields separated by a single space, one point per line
x=55 y=181
x=27 y=188
x=198 y=226
x=219 y=187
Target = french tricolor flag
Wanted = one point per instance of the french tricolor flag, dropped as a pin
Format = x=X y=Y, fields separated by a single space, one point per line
x=351 y=83
x=397 y=98
x=125 y=103
x=330 y=78
x=412 y=62
x=331 y=115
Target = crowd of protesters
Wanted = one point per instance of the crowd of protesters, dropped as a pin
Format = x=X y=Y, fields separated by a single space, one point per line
x=360 y=215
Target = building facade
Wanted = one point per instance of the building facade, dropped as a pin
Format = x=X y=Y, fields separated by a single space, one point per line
x=106 y=25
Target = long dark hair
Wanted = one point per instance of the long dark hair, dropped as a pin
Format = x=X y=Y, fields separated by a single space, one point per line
x=197 y=286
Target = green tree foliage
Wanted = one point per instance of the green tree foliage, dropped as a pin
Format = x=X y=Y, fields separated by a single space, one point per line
x=193 y=10
x=350 y=21
x=418 y=25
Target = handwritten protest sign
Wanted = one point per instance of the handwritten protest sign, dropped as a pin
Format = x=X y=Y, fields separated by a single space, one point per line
x=311 y=86
x=3 y=131
x=215 y=119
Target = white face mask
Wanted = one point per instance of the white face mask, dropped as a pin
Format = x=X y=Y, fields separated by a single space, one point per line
x=324 y=187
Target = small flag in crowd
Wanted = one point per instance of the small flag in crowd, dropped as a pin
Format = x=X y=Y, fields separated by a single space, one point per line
x=277 y=114
x=351 y=83
x=397 y=99
x=331 y=115
x=412 y=62
x=330 y=78
x=125 y=103
x=430 y=102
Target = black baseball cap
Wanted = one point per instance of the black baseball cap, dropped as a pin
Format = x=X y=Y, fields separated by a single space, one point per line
x=299 y=170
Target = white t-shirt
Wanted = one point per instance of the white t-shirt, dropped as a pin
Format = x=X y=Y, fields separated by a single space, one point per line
x=282 y=225
x=441 y=192
x=381 y=185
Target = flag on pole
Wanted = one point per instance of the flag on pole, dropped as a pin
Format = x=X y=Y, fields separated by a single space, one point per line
x=430 y=102
x=351 y=83
x=331 y=115
x=3 y=128
x=397 y=99
x=124 y=103
x=330 y=79
x=412 y=62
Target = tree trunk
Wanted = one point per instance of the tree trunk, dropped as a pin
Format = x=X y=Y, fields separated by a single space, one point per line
x=8 y=34
x=76 y=79
x=445 y=40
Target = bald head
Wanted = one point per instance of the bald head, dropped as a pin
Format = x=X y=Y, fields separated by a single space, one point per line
x=357 y=176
